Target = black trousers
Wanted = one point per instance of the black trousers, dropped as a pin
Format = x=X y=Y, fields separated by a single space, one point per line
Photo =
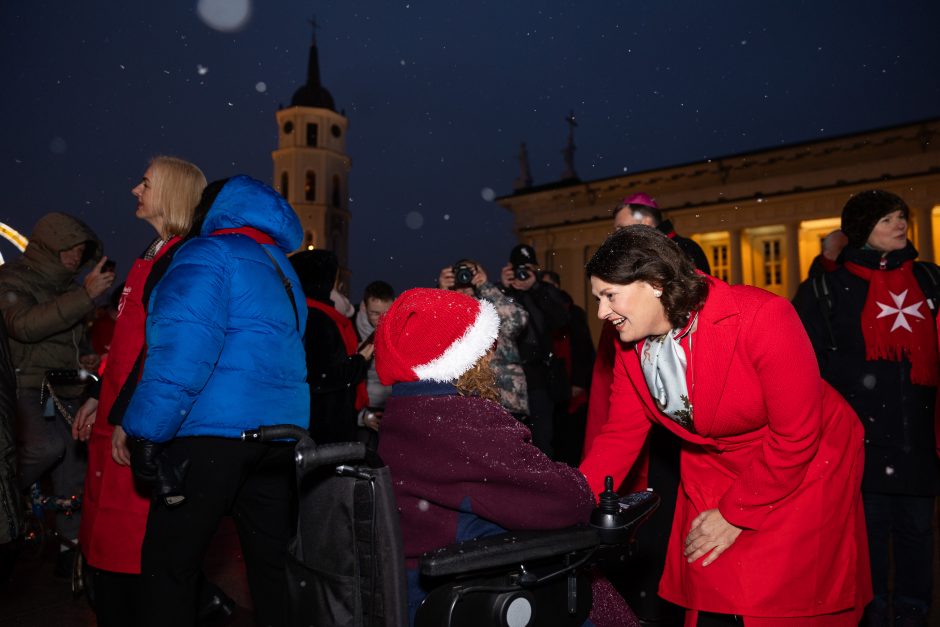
x=116 y=600
x=905 y=522
x=254 y=482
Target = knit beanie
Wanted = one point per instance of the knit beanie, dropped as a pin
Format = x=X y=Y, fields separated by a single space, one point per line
x=863 y=210
x=317 y=272
x=433 y=335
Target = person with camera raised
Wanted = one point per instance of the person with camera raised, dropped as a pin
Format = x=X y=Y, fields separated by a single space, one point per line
x=469 y=277
x=44 y=310
x=547 y=311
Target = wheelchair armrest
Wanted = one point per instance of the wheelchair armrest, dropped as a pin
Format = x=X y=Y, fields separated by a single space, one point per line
x=506 y=549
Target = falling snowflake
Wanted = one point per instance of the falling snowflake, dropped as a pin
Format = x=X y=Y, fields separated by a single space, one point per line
x=202 y=70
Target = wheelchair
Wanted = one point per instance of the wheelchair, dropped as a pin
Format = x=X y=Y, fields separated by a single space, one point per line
x=346 y=563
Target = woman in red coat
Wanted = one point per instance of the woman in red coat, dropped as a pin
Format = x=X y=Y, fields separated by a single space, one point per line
x=769 y=525
x=115 y=512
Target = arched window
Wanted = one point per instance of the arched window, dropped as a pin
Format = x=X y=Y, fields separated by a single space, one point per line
x=337 y=192
x=284 y=187
x=310 y=186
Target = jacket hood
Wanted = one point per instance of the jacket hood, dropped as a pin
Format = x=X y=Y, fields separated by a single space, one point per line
x=246 y=202
x=55 y=232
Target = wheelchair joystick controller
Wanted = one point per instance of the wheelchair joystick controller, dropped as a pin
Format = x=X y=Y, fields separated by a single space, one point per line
x=607 y=517
x=616 y=519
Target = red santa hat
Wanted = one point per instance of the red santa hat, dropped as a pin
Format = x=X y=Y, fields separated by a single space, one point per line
x=433 y=335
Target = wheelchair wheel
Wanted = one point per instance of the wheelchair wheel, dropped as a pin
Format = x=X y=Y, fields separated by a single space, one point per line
x=33 y=537
x=81 y=583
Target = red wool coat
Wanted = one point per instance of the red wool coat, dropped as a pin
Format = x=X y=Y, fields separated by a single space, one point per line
x=114 y=510
x=776 y=450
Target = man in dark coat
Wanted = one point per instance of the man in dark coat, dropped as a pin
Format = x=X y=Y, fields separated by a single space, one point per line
x=548 y=313
x=640 y=208
x=336 y=366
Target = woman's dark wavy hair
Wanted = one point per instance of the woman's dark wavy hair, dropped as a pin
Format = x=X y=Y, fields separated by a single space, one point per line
x=641 y=253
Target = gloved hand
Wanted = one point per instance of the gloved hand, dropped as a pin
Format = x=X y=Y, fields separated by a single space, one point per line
x=144 y=455
x=151 y=463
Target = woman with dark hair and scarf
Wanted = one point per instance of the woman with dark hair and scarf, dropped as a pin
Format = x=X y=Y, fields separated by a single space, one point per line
x=768 y=525
x=876 y=341
x=336 y=367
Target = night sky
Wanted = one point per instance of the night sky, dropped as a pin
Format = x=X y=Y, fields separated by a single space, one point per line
x=439 y=95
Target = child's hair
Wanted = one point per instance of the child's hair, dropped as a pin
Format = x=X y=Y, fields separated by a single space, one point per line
x=479 y=380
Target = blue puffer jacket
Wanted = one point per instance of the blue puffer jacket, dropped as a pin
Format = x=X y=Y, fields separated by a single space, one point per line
x=223 y=349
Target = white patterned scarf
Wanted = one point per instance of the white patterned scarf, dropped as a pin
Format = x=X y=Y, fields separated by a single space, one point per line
x=663 y=362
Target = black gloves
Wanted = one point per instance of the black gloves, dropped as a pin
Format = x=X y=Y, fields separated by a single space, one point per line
x=152 y=464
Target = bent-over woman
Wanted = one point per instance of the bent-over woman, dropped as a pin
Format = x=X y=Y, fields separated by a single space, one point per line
x=769 y=523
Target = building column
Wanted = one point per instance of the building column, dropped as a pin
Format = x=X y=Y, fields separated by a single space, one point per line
x=794 y=276
x=924 y=221
x=736 y=275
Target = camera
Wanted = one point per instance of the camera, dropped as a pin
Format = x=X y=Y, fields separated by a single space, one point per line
x=108 y=266
x=463 y=275
x=521 y=272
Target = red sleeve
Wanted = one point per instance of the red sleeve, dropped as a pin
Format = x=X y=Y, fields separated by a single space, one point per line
x=622 y=436
x=601 y=380
x=792 y=390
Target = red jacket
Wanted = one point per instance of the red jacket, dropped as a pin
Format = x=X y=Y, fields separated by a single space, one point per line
x=602 y=380
x=776 y=450
x=114 y=512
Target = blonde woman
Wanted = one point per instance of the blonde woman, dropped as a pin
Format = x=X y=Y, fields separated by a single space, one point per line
x=114 y=511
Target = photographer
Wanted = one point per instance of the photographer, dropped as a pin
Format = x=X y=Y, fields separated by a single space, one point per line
x=547 y=313
x=44 y=310
x=468 y=277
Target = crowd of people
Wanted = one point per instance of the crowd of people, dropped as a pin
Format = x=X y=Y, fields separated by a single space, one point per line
x=794 y=445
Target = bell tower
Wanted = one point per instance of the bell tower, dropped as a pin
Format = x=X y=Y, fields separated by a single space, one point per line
x=311 y=167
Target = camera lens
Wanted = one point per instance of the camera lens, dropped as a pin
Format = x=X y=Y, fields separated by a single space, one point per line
x=463 y=276
x=521 y=273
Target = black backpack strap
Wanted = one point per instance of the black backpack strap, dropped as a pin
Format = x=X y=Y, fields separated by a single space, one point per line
x=928 y=277
x=824 y=298
x=287 y=285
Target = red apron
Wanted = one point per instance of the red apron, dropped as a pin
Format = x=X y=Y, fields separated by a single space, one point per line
x=114 y=512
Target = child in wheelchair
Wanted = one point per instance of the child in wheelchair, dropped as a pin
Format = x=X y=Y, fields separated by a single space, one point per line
x=462 y=467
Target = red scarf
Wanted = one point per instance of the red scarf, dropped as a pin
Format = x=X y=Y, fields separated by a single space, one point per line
x=896 y=321
x=350 y=341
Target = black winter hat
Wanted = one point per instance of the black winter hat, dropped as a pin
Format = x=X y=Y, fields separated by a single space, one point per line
x=317 y=272
x=522 y=254
x=863 y=210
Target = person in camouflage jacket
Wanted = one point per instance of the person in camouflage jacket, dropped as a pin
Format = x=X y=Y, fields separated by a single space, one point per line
x=506 y=363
